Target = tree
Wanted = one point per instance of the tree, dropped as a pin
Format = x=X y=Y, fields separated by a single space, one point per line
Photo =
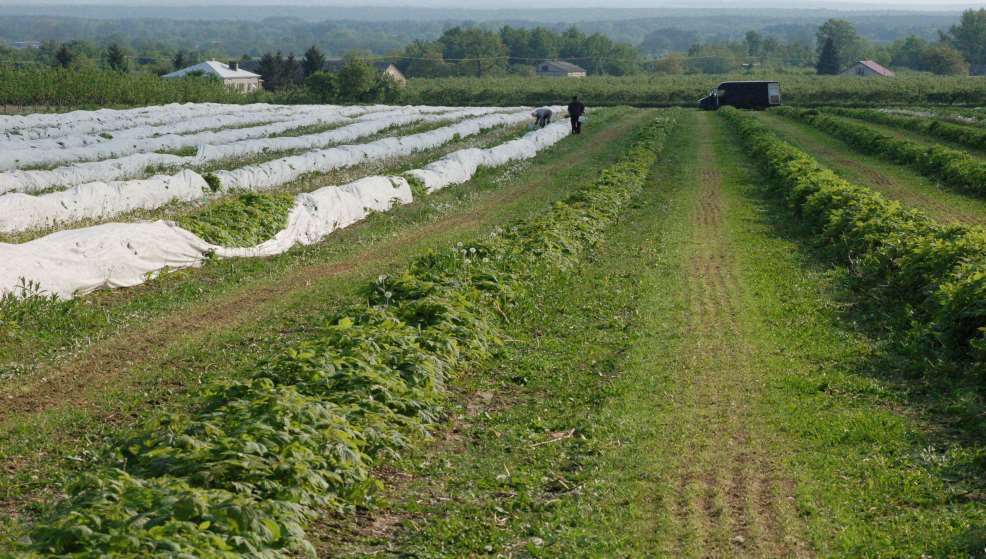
x=477 y=51
x=910 y=53
x=754 y=43
x=180 y=60
x=314 y=61
x=848 y=45
x=270 y=70
x=291 y=71
x=357 y=80
x=64 y=57
x=943 y=59
x=969 y=36
x=323 y=86
x=116 y=58
x=828 y=60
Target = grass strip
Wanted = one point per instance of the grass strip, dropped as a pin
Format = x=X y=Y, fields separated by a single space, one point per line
x=955 y=168
x=925 y=280
x=245 y=472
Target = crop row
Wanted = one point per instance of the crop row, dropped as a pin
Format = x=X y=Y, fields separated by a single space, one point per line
x=929 y=279
x=970 y=136
x=954 y=168
x=244 y=473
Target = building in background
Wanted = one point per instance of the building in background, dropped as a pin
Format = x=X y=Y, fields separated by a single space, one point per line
x=866 y=69
x=560 y=69
x=231 y=74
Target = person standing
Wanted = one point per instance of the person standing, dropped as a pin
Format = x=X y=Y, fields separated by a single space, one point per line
x=575 y=111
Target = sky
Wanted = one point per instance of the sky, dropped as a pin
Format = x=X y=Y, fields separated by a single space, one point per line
x=938 y=5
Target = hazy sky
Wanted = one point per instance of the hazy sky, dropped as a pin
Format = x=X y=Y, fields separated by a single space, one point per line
x=542 y=4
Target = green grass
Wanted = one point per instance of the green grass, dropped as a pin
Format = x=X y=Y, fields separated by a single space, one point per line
x=42 y=448
x=700 y=378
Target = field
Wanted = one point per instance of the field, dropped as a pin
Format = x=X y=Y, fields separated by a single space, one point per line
x=433 y=331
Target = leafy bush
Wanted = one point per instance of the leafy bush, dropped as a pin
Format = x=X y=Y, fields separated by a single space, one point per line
x=245 y=472
x=928 y=279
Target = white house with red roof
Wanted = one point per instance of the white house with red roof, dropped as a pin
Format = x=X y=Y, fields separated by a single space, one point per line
x=867 y=68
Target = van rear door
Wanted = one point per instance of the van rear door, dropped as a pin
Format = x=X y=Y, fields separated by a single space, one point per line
x=774 y=93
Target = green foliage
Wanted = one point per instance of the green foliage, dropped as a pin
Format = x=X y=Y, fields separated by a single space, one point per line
x=213 y=181
x=925 y=279
x=969 y=36
x=244 y=473
x=953 y=167
x=77 y=87
x=847 y=44
x=243 y=221
x=828 y=59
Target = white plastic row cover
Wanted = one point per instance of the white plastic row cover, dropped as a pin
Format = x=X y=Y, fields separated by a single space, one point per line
x=76 y=262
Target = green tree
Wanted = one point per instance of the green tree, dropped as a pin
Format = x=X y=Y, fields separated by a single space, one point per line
x=944 y=60
x=116 y=58
x=323 y=86
x=479 y=52
x=64 y=56
x=180 y=60
x=828 y=60
x=910 y=53
x=849 y=45
x=357 y=80
x=754 y=43
x=314 y=61
x=969 y=36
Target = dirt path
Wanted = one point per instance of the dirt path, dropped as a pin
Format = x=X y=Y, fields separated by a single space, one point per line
x=729 y=499
x=894 y=181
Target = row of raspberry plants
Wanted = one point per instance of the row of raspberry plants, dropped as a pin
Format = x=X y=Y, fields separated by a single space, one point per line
x=928 y=279
x=964 y=134
x=954 y=168
x=244 y=473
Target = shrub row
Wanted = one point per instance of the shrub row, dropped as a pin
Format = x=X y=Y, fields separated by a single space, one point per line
x=928 y=279
x=954 y=168
x=245 y=472
x=964 y=134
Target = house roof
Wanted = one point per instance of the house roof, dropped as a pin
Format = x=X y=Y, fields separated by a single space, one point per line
x=215 y=68
x=562 y=66
x=876 y=68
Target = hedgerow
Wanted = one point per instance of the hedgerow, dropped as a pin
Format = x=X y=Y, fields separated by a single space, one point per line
x=247 y=469
x=955 y=168
x=928 y=280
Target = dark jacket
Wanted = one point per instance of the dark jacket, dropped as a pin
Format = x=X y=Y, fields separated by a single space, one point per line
x=576 y=109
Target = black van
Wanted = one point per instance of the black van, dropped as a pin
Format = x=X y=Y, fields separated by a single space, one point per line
x=742 y=95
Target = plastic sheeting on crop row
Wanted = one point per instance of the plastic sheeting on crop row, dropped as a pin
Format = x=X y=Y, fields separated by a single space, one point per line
x=135 y=165
x=107 y=120
x=460 y=166
x=271 y=174
x=79 y=261
x=195 y=124
x=119 y=147
x=76 y=262
x=100 y=200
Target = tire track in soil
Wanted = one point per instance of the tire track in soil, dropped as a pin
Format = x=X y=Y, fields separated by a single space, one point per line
x=729 y=500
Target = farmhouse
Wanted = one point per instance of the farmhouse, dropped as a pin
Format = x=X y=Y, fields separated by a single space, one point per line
x=560 y=69
x=867 y=68
x=231 y=74
x=387 y=69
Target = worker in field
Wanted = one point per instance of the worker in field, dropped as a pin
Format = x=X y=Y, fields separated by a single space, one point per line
x=542 y=117
x=575 y=111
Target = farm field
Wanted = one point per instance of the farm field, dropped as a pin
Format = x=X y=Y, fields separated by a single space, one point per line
x=433 y=332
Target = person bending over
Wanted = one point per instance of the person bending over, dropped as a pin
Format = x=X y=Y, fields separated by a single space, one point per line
x=542 y=117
